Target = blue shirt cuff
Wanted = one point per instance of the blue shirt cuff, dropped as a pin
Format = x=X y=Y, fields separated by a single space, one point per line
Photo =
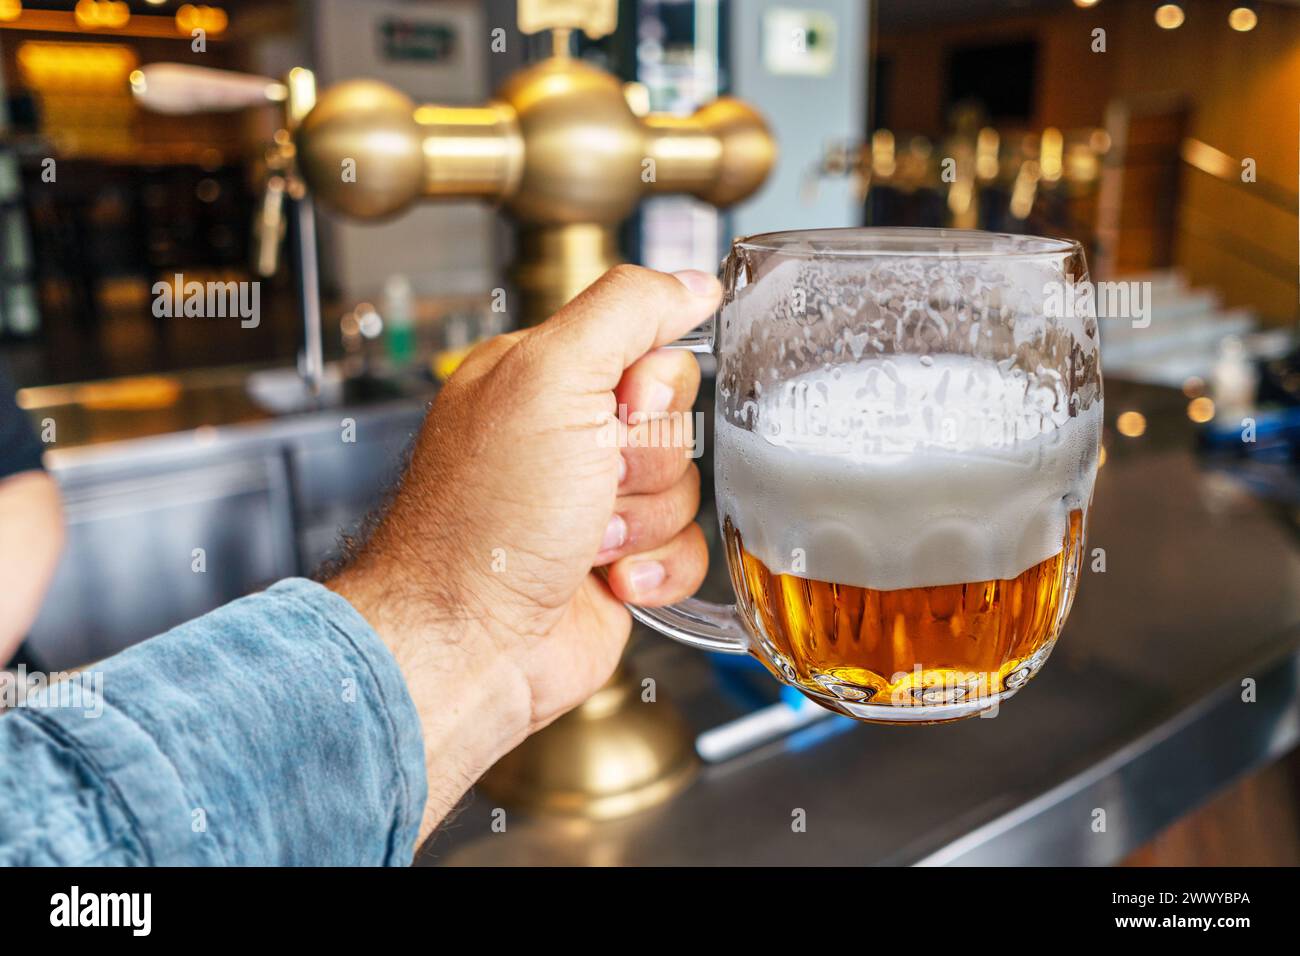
x=274 y=730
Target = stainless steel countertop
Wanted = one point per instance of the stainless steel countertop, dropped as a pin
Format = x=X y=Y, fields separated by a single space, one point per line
x=110 y=419
x=1139 y=712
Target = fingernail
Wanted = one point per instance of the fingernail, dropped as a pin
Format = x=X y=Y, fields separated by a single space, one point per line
x=700 y=283
x=646 y=576
x=615 y=534
x=659 y=398
x=622 y=469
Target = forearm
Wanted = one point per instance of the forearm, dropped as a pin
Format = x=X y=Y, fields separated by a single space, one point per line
x=275 y=730
x=472 y=701
x=31 y=539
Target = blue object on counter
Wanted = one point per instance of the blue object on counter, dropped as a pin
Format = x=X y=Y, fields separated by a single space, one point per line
x=1276 y=434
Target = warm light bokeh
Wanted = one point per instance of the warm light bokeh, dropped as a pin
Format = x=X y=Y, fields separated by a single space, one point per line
x=199 y=16
x=1131 y=424
x=97 y=14
x=1169 y=16
x=1242 y=19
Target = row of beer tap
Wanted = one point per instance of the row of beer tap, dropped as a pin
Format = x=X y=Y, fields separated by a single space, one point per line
x=1022 y=166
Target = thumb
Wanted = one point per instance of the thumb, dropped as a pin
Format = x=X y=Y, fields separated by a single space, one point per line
x=625 y=313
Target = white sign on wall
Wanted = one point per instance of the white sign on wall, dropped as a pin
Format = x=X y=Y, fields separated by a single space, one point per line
x=798 y=42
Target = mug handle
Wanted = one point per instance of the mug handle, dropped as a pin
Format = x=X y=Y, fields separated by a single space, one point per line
x=702 y=624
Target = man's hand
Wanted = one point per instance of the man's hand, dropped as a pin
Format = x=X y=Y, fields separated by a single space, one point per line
x=480 y=576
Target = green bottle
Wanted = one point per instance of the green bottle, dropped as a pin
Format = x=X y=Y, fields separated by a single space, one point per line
x=398 y=310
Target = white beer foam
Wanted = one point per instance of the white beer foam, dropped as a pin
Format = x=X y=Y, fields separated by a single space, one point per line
x=908 y=472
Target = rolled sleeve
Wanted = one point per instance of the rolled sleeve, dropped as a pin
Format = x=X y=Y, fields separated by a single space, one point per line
x=275 y=730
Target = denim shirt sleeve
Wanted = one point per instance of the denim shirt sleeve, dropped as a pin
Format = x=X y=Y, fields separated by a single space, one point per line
x=275 y=730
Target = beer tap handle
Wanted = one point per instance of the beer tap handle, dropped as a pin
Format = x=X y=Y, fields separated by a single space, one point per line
x=179 y=89
x=269 y=226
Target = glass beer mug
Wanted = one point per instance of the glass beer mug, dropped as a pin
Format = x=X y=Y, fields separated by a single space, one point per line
x=907 y=431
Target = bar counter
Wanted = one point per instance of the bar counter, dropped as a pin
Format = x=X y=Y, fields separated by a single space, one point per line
x=1140 y=713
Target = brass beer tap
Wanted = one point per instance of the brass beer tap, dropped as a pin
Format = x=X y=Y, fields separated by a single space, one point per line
x=559 y=147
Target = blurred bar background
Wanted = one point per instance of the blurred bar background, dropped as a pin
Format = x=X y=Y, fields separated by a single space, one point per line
x=1164 y=137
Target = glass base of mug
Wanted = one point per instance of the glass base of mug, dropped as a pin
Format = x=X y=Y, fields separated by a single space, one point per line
x=899 y=715
x=920 y=711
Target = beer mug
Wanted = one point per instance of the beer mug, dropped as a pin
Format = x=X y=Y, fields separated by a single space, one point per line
x=907 y=431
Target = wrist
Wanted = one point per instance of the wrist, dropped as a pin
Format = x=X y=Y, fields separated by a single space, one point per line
x=473 y=702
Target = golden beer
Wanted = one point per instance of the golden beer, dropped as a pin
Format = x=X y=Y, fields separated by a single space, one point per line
x=896 y=557
x=906 y=647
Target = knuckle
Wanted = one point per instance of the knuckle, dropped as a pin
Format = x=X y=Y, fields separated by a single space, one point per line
x=665 y=469
x=501 y=342
x=527 y=356
x=686 y=366
x=654 y=469
x=692 y=479
x=651 y=523
x=632 y=279
x=692 y=560
x=670 y=511
x=626 y=272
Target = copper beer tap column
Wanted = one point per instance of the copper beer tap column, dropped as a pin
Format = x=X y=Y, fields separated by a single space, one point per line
x=559 y=147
